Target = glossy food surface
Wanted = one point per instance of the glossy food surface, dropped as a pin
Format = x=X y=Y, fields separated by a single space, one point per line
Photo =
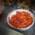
x=21 y=20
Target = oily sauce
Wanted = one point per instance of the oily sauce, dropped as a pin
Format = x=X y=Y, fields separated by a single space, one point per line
x=21 y=20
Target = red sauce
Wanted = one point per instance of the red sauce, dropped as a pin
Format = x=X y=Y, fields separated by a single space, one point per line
x=21 y=20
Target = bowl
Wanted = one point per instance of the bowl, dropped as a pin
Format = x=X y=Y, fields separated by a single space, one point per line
x=14 y=13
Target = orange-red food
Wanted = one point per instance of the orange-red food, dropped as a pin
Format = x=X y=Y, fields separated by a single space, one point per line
x=21 y=20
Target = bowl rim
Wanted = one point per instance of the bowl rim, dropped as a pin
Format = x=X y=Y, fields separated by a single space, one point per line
x=22 y=29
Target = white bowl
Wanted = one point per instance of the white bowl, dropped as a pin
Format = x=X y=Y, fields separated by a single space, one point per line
x=14 y=13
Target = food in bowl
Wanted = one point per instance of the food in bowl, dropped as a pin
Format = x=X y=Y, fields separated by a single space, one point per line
x=21 y=20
